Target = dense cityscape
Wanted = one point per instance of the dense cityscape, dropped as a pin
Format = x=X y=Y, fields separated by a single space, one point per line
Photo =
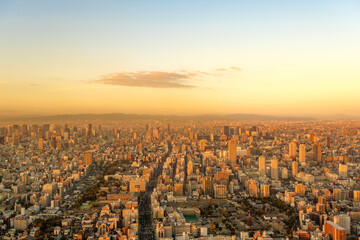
x=150 y=179
x=179 y=120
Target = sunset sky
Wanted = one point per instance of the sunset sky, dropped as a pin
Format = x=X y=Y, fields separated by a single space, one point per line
x=180 y=57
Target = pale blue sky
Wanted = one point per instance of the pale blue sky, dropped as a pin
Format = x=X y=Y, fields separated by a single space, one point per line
x=57 y=50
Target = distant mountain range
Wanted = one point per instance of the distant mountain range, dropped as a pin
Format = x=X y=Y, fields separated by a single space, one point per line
x=123 y=116
x=337 y=117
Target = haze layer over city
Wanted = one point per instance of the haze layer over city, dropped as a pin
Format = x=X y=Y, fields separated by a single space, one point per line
x=185 y=120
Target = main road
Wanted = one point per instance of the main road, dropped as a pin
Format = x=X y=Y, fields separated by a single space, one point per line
x=146 y=227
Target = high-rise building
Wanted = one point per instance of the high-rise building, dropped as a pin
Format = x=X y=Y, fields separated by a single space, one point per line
x=231 y=187
x=274 y=168
x=168 y=127
x=262 y=166
x=295 y=168
x=317 y=152
x=343 y=220
x=50 y=188
x=300 y=189
x=292 y=150
x=320 y=208
x=208 y=186
x=191 y=135
x=343 y=170
x=242 y=131
x=20 y=223
x=357 y=196
x=24 y=129
x=227 y=130
x=178 y=189
x=41 y=143
x=53 y=142
x=335 y=231
x=232 y=151
x=220 y=191
x=312 y=137
x=87 y=158
x=89 y=132
x=252 y=187
x=156 y=133
x=338 y=194
x=190 y=168
x=232 y=131
x=202 y=144
x=284 y=173
x=302 y=153
x=137 y=185
x=265 y=190
x=327 y=141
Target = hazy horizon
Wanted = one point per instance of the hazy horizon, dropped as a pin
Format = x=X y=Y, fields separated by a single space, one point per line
x=26 y=114
x=182 y=58
x=15 y=116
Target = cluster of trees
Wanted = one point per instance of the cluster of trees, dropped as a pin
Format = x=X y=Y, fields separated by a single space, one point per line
x=291 y=214
x=92 y=192
x=283 y=207
x=229 y=226
x=90 y=195
x=208 y=210
x=46 y=225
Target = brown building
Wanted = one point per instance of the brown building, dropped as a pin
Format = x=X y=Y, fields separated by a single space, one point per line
x=87 y=158
x=208 y=186
x=178 y=189
x=312 y=137
x=220 y=191
x=252 y=187
x=300 y=189
x=335 y=231
x=265 y=190
x=317 y=152
x=327 y=141
x=232 y=151
x=202 y=145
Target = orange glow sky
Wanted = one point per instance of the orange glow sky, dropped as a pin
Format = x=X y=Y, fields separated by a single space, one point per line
x=180 y=57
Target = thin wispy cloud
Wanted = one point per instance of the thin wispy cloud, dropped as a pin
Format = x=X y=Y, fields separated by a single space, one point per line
x=33 y=84
x=153 y=79
x=233 y=68
x=236 y=68
x=159 y=79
